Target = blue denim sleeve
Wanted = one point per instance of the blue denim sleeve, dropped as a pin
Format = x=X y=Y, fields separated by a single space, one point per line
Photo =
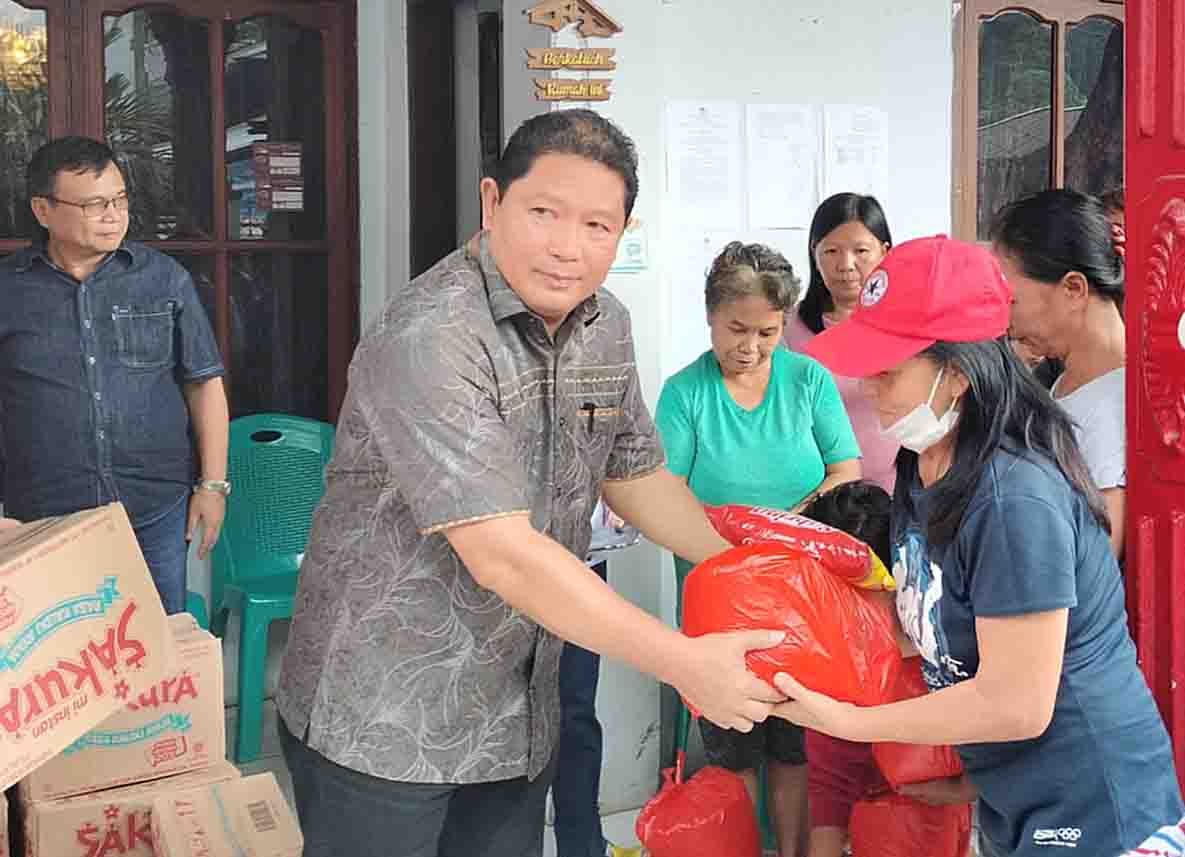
x=198 y=358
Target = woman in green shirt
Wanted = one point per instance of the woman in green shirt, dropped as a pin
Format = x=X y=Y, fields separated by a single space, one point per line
x=750 y=422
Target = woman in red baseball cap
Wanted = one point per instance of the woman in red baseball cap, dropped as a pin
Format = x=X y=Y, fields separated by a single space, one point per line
x=1007 y=584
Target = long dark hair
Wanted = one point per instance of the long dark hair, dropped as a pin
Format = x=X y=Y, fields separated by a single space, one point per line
x=1003 y=406
x=832 y=213
x=1053 y=232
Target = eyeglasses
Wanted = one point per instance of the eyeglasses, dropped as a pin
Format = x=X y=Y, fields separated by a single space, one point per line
x=95 y=209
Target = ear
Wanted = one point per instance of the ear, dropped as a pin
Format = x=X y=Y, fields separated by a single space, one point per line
x=957 y=384
x=490 y=199
x=40 y=206
x=1076 y=286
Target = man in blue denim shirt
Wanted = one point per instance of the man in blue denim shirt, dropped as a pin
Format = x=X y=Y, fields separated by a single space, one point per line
x=107 y=362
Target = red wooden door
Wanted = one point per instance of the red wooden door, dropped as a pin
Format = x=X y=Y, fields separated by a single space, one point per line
x=1155 y=176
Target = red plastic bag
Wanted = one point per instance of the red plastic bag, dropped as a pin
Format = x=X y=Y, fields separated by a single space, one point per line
x=915 y=763
x=839 y=640
x=840 y=553
x=893 y=825
x=711 y=815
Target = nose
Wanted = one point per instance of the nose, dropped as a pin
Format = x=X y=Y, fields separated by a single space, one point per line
x=564 y=242
x=847 y=261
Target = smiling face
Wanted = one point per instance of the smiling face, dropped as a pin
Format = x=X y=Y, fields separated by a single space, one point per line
x=554 y=233
x=846 y=256
x=72 y=231
x=745 y=333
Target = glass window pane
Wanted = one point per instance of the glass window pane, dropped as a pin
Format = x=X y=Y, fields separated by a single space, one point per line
x=279 y=334
x=1015 y=122
x=1094 y=105
x=24 y=109
x=275 y=131
x=157 y=109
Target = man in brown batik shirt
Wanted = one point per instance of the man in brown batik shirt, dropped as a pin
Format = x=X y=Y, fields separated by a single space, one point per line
x=489 y=406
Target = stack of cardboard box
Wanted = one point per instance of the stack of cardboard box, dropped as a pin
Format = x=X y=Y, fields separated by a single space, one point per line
x=106 y=704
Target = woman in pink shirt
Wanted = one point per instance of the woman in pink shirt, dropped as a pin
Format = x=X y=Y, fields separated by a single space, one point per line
x=849 y=236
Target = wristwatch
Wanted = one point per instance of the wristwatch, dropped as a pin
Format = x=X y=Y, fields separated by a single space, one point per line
x=220 y=486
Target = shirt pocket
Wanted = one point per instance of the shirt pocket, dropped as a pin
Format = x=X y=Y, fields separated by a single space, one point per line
x=597 y=423
x=144 y=335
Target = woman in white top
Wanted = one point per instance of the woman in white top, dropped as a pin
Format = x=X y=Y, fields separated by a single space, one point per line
x=1057 y=250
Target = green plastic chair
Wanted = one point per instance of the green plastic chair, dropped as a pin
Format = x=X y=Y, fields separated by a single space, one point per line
x=277 y=472
x=769 y=840
x=195 y=606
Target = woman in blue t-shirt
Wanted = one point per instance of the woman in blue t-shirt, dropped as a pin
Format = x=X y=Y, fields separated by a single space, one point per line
x=1007 y=584
x=750 y=422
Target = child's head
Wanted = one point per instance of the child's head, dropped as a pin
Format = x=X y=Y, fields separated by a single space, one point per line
x=860 y=509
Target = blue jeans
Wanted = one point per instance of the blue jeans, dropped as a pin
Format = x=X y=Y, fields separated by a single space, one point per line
x=165 y=550
x=346 y=813
x=577 y=785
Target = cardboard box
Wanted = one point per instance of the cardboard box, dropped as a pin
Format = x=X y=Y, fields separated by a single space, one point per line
x=82 y=631
x=108 y=823
x=231 y=819
x=176 y=725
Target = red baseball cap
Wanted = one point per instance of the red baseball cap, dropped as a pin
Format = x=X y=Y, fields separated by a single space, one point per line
x=924 y=291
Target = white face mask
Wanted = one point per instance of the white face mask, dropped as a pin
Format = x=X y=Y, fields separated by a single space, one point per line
x=921 y=428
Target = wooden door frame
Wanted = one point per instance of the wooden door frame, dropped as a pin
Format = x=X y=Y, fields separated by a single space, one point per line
x=965 y=112
x=76 y=90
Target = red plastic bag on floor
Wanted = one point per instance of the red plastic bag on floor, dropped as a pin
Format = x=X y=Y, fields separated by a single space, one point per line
x=839 y=640
x=903 y=764
x=840 y=553
x=893 y=825
x=710 y=815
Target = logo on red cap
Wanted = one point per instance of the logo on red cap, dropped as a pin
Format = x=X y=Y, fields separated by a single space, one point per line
x=875 y=288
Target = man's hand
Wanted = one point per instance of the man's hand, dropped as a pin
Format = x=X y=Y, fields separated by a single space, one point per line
x=715 y=680
x=9 y=524
x=949 y=790
x=207 y=509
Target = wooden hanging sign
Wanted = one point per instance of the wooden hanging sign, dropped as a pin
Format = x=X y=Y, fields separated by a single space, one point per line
x=592 y=21
x=567 y=89
x=571 y=59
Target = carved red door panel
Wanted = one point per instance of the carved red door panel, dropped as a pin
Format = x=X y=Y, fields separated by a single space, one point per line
x=1155 y=176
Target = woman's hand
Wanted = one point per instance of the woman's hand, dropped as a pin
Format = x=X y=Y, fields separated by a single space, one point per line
x=9 y=524
x=943 y=792
x=814 y=710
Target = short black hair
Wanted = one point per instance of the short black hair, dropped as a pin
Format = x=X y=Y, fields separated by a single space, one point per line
x=66 y=155
x=860 y=509
x=569 y=132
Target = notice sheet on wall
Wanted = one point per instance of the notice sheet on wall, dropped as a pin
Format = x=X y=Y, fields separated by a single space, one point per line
x=855 y=150
x=704 y=163
x=782 y=143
